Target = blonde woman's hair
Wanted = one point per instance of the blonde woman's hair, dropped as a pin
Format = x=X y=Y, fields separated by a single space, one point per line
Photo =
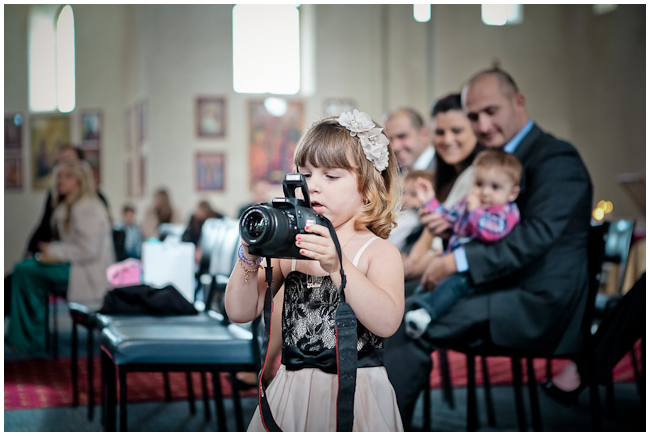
x=85 y=188
x=327 y=144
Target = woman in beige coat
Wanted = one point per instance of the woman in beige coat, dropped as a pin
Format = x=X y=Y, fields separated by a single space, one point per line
x=75 y=262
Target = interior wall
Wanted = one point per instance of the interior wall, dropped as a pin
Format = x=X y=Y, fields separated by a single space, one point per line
x=582 y=76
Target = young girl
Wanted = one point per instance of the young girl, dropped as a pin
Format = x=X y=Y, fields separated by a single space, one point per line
x=353 y=180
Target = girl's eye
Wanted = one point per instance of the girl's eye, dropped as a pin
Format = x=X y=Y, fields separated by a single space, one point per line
x=332 y=177
x=495 y=187
x=306 y=175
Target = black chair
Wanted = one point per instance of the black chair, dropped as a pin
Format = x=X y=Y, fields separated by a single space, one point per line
x=171 y=345
x=596 y=256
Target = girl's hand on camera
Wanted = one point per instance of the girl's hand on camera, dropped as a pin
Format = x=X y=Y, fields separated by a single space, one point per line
x=318 y=245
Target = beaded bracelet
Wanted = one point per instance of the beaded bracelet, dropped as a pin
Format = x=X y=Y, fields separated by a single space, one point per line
x=248 y=271
x=250 y=262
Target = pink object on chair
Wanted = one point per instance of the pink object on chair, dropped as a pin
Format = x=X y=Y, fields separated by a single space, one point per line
x=125 y=273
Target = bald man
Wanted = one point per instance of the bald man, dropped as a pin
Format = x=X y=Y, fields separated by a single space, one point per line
x=410 y=139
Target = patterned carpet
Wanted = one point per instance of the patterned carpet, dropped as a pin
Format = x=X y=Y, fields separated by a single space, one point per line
x=33 y=384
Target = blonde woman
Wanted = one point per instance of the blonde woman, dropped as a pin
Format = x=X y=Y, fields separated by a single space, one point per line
x=75 y=261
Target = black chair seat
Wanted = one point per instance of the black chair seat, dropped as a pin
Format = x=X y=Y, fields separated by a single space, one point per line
x=194 y=340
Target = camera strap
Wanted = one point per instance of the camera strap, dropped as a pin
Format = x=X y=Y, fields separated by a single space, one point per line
x=346 y=351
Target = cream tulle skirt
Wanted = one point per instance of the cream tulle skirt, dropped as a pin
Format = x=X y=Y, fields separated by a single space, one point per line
x=305 y=400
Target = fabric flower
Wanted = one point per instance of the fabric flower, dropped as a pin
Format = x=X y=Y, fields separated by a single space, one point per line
x=373 y=141
x=356 y=122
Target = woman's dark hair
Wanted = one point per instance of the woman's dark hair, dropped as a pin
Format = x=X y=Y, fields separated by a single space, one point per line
x=446 y=174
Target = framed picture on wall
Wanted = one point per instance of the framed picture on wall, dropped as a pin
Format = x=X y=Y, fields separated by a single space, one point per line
x=13 y=133
x=13 y=173
x=210 y=171
x=47 y=133
x=211 y=117
x=272 y=140
x=141 y=121
x=91 y=130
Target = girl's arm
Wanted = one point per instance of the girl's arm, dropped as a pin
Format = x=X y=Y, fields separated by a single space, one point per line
x=244 y=299
x=376 y=297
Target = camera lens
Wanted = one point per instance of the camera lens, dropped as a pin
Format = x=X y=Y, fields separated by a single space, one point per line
x=254 y=224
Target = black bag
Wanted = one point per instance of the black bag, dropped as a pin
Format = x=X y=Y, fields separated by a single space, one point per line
x=146 y=300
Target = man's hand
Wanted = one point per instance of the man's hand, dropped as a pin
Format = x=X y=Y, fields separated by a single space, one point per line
x=438 y=269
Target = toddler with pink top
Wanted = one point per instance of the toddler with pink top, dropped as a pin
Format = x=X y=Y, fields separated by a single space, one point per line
x=488 y=213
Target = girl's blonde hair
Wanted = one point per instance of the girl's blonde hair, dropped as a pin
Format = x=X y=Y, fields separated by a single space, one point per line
x=327 y=144
x=85 y=188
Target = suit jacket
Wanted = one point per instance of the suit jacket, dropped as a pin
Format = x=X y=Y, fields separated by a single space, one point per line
x=88 y=245
x=536 y=277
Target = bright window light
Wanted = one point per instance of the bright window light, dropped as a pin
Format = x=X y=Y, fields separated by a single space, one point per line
x=42 y=62
x=51 y=59
x=65 y=61
x=422 y=13
x=499 y=15
x=266 y=49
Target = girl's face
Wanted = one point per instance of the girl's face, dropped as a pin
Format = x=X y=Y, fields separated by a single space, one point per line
x=453 y=137
x=333 y=192
x=66 y=181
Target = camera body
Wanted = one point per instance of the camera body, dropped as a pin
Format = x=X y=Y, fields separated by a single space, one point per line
x=270 y=229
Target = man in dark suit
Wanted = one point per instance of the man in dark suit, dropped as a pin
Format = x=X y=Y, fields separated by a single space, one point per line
x=531 y=286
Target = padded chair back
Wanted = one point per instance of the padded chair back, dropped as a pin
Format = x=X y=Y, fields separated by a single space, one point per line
x=617 y=246
x=168 y=229
x=224 y=254
x=596 y=255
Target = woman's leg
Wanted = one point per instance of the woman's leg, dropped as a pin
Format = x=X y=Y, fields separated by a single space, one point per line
x=31 y=283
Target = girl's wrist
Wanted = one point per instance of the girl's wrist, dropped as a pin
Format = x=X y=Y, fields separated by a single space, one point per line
x=244 y=257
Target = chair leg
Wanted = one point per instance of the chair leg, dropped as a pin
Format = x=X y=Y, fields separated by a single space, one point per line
x=549 y=371
x=472 y=410
x=610 y=410
x=55 y=335
x=218 y=399
x=90 y=361
x=123 y=398
x=426 y=413
x=109 y=392
x=519 y=399
x=48 y=339
x=487 y=390
x=206 y=397
x=190 y=392
x=445 y=377
x=168 y=391
x=536 y=415
x=74 y=362
x=239 y=415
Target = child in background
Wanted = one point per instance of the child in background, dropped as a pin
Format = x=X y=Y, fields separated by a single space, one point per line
x=353 y=180
x=133 y=234
x=487 y=214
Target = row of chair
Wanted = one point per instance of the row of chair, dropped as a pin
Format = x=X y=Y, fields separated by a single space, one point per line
x=608 y=242
x=206 y=342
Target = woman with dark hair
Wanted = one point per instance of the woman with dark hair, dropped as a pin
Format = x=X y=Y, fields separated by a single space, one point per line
x=160 y=212
x=456 y=148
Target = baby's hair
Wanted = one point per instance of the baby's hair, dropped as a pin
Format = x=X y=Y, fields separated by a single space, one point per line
x=508 y=162
x=327 y=144
x=413 y=175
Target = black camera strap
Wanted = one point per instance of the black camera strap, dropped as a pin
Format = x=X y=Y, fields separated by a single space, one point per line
x=346 y=351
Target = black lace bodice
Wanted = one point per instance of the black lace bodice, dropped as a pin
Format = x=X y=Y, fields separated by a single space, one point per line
x=308 y=317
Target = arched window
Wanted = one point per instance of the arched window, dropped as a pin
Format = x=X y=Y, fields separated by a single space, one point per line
x=51 y=58
x=266 y=49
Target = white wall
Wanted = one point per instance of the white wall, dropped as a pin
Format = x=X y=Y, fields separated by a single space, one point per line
x=582 y=75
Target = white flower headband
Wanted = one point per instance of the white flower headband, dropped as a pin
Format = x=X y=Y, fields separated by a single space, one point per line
x=374 y=143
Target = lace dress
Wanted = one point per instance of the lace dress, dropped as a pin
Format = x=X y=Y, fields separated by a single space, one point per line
x=302 y=396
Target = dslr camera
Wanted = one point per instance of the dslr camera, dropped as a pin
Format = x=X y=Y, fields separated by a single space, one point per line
x=270 y=229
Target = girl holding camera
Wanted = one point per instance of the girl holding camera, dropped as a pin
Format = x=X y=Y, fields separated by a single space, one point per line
x=353 y=180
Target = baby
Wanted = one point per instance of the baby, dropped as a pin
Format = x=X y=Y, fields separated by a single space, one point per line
x=486 y=214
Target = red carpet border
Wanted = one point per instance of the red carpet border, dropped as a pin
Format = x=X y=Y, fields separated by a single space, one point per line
x=34 y=384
